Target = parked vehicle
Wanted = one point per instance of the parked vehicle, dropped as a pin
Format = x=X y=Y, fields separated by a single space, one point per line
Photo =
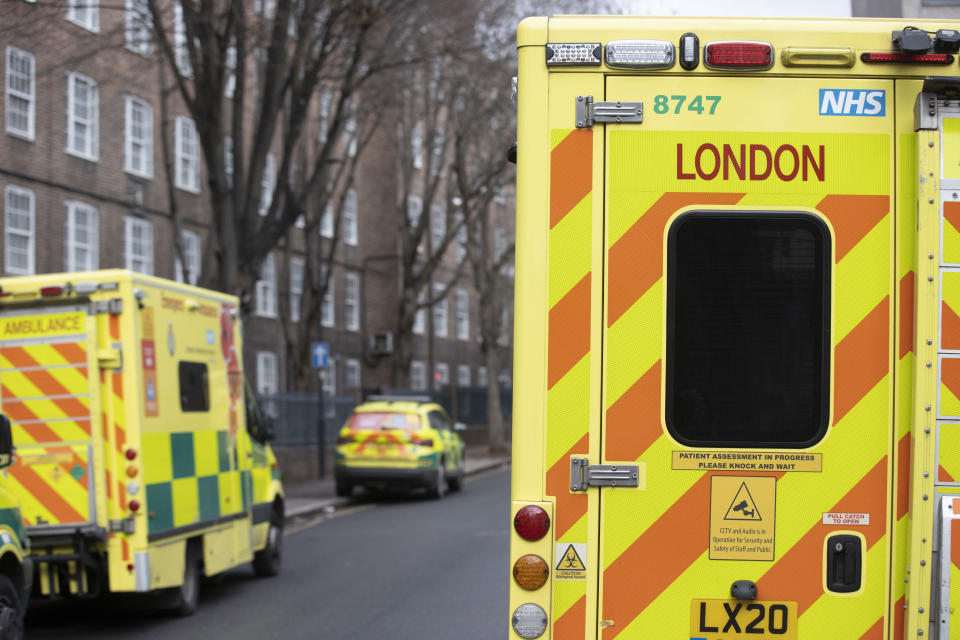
x=143 y=461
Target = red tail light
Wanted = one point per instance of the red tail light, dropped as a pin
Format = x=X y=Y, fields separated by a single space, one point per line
x=134 y=505
x=895 y=57
x=51 y=290
x=738 y=55
x=531 y=522
x=130 y=454
x=344 y=439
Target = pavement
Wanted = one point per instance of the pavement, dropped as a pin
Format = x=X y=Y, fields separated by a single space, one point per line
x=307 y=498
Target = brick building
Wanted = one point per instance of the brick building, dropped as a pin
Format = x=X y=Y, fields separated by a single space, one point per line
x=84 y=185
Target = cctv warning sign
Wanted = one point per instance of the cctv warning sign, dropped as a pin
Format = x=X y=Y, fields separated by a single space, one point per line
x=742 y=517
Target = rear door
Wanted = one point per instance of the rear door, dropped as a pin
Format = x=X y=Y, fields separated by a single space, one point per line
x=747 y=358
x=46 y=359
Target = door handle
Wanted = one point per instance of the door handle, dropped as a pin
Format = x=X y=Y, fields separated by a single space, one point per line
x=844 y=563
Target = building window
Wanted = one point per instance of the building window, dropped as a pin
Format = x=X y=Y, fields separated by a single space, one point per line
x=138 y=245
x=190 y=242
x=436 y=152
x=463 y=315
x=181 y=54
x=326 y=221
x=138 y=138
x=482 y=377
x=352 y=374
x=418 y=375
x=504 y=379
x=330 y=378
x=268 y=183
x=350 y=218
x=461 y=238
x=416 y=145
x=350 y=136
x=439 y=313
x=84 y=13
x=327 y=309
x=266 y=373
x=21 y=93
x=137 y=27
x=463 y=375
x=264 y=8
x=228 y=159
x=19 y=247
x=296 y=287
x=82 y=238
x=82 y=116
x=419 y=316
x=438 y=218
x=266 y=289
x=506 y=328
x=187 y=170
x=441 y=376
x=351 y=301
x=326 y=98
x=230 y=62
x=414 y=210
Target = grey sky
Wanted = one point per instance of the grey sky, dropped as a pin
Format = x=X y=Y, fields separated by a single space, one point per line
x=755 y=8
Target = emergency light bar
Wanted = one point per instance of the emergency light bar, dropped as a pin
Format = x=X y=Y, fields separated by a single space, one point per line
x=894 y=57
x=741 y=54
x=640 y=54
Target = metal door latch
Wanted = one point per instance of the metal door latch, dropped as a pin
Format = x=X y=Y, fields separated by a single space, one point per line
x=589 y=112
x=584 y=475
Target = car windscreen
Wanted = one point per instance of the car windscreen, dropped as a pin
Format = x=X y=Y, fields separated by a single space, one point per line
x=384 y=420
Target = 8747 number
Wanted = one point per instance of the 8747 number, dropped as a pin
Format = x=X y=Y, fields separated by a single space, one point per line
x=697 y=104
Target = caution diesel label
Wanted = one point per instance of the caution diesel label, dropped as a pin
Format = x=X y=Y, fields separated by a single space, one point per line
x=746 y=461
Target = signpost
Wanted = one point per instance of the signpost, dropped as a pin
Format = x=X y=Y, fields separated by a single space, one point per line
x=320 y=358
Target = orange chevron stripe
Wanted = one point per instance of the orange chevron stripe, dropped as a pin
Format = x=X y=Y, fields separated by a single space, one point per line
x=636 y=259
x=860 y=361
x=118 y=385
x=569 y=507
x=571 y=173
x=950 y=374
x=852 y=217
x=949 y=327
x=631 y=427
x=943 y=475
x=875 y=632
x=571 y=624
x=19 y=412
x=569 y=331
x=794 y=576
x=41 y=432
x=72 y=352
x=907 y=289
x=951 y=213
x=899 y=618
x=45 y=382
x=114 y=327
x=125 y=549
x=903 y=476
x=50 y=499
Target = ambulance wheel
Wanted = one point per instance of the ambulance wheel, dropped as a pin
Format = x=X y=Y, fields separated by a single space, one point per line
x=439 y=486
x=11 y=614
x=266 y=562
x=187 y=595
x=456 y=482
x=344 y=489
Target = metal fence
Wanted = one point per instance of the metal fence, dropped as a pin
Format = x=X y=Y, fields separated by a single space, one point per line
x=297 y=421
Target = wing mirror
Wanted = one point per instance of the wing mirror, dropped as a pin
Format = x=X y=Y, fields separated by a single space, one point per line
x=6 y=442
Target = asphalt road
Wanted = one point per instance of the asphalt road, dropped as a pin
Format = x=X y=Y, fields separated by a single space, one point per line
x=394 y=567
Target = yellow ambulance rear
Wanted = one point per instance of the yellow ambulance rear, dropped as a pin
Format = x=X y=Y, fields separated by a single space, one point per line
x=737 y=396
x=142 y=461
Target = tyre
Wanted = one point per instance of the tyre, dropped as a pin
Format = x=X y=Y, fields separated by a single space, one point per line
x=344 y=489
x=187 y=595
x=267 y=561
x=456 y=482
x=11 y=610
x=439 y=486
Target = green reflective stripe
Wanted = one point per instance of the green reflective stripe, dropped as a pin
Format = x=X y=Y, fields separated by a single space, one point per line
x=209 y=501
x=11 y=517
x=181 y=449
x=246 y=485
x=160 y=507
x=223 y=450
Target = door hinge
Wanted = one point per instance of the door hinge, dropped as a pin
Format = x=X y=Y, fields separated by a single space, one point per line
x=113 y=306
x=589 y=112
x=584 y=475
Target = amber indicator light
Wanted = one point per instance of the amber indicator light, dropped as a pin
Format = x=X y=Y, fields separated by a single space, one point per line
x=530 y=572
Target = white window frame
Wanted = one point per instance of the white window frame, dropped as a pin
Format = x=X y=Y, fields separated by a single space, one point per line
x=266 y=289
x=441 y=375
x=328 y=316
x=84 y=13
x=326 y=99
x=326 y=221
x=438 y=221
x=72 y=244
x=268 y=184
x=134 y=145
x=186 y=151
x=462 y=238
x=141 y=263
x=482 y=377
x=267 y=373
x=436 y=152
x=439 y=314
x=329 y=384
x=350 y=235
x=420 y=315
x=90 y=149
x=350 y=136
x=463 y=375
x=418 y=375
x=191 y=253
x=351 y=301
x=297 y=273
x=29 y=234
x=416 y=145
x=181 y=52
x=138 y=27
x=230 y=62
x=352 y=374
x=16 y=93
x=463 y=314
x=414 y=210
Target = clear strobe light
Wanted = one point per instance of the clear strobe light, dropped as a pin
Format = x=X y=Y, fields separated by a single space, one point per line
x=529 y=620
x=573 y=53
x=642 y=54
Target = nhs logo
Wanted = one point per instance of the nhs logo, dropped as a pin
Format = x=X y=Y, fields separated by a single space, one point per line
x=853 y=102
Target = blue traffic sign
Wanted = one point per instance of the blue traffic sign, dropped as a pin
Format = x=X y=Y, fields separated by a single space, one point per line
x=320 y=354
